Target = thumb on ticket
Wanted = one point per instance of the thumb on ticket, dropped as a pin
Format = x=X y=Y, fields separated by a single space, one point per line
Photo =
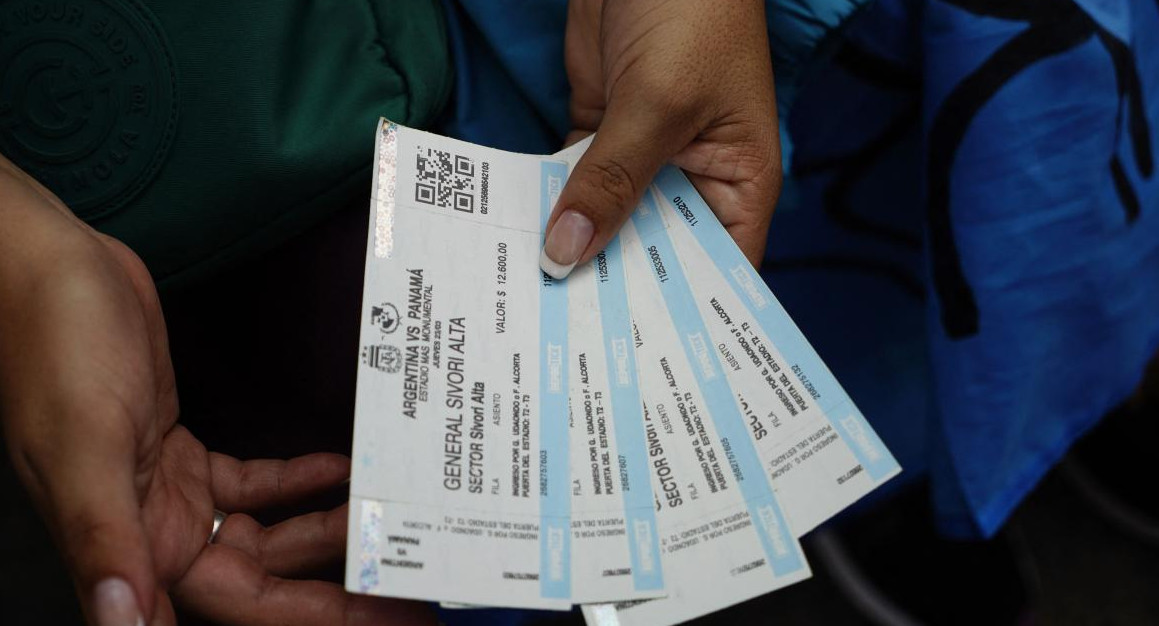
x=633 y=143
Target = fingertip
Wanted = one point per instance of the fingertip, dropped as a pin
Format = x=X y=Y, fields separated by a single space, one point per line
x=318 y=467
x=342 y=468
x=107 y=553
x=566 y=241
x=551 y=268
x=115 y=604
x=338 y=463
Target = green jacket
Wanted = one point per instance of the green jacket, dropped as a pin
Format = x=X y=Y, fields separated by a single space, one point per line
x=200 y=131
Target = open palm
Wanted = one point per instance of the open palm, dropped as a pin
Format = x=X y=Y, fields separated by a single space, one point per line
x=89 y=407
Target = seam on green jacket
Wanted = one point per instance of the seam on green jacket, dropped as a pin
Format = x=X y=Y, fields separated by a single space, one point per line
x=380 y=41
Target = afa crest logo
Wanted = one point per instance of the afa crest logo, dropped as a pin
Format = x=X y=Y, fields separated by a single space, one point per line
x=382 y=357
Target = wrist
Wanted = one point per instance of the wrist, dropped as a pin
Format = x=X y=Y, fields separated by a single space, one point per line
x=36 y=236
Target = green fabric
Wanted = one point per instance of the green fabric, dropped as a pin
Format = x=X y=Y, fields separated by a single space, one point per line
x=254 y=118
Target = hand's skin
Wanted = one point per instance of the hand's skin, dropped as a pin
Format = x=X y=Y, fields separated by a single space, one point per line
x=686 y=81
x=88 y=404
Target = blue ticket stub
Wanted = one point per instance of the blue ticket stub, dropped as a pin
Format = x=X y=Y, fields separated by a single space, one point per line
x=817 y=448
x=792 y=430
x=615 y=552
x=616 y=538
x=725 y=537
x=554 y=388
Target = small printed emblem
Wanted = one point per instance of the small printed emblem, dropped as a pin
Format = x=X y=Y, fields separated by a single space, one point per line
x=88 y=98
x=382 y=357
x=385 y=317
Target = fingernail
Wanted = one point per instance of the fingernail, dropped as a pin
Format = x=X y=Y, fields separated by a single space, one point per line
x=568 y=239
x=115 y=605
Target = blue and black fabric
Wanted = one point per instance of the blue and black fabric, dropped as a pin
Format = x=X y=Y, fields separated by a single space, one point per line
x=998 y=200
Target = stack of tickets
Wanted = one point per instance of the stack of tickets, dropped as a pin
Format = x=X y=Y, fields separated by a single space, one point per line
x=648 y=437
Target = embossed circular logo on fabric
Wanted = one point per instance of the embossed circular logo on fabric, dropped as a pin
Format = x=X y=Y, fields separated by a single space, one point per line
x=88 y=98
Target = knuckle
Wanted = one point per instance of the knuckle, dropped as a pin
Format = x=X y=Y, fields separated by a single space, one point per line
x=279 y=481
x=608 y=187
x=329 y=534
x=266 y=590
x=668 y=109
x=261 y=546
x=245 y=481
x=80 y=534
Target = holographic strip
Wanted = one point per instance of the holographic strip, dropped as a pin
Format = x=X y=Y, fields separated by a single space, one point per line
x=385 y=178
x=371 y=531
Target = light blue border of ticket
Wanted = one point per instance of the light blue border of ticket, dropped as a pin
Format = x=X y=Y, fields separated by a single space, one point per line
x=780 y=544
x=639 y=512
x=555 y=465
x=858 y=435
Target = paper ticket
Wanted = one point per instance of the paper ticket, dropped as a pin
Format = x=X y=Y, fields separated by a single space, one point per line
x=615 y=549
x=460 y=467
x=724 y=536
x=818 y=464
x=817 y=448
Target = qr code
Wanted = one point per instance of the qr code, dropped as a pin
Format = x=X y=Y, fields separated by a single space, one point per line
x=445 y=180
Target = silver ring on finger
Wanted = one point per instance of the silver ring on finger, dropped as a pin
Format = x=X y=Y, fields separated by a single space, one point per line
x=218 y=520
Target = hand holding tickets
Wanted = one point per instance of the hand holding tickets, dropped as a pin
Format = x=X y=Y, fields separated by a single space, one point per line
x=648 y=437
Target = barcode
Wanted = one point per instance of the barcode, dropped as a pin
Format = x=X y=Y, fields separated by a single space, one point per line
x=445 y=180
